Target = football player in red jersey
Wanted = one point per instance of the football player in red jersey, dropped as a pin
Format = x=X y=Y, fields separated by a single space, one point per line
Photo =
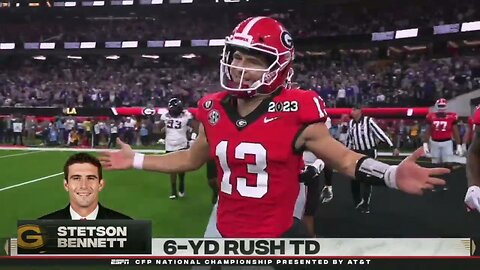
x=257 y=129
x=442 y=127
x=472 y=198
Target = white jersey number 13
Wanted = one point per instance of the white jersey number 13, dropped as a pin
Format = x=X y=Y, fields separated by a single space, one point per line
x=259 y=168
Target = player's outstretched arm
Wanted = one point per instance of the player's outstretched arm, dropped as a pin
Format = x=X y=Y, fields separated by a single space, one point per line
x=181 y=161
x=408 y=176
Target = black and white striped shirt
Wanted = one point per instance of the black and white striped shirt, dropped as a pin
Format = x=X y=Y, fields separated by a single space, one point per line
x=364 y=134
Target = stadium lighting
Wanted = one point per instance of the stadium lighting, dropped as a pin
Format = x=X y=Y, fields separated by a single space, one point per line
x=113 y=57
x=74 y=57
x=40 y=57
x=470 y=26
x=406 y=33
x=7 y=46
x=150 y=56
x=189 y=56
x=70 y=4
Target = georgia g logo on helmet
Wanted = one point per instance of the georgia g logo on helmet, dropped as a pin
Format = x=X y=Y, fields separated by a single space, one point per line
x=287 y=40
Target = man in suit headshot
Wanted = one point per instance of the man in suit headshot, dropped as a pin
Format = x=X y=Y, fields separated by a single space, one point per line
x=83 y=181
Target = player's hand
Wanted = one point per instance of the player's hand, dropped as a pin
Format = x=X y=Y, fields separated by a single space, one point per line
x=118 y=160
x=472 y=198
x=425 y=148
x=308 y=174
x=396 y=152
x=414 y=179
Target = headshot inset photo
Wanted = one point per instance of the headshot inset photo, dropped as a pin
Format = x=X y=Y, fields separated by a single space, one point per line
x=83 y=180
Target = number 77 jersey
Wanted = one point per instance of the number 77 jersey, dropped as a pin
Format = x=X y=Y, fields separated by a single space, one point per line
x=441 y=125
x=258 y=167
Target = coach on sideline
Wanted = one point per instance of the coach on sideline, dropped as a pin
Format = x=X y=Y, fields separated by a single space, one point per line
x=83 y=181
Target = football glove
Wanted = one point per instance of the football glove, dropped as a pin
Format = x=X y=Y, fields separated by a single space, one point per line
x=308 y=175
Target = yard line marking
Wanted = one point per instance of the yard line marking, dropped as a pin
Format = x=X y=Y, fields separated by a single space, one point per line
x=20 y=154
x=31 y=181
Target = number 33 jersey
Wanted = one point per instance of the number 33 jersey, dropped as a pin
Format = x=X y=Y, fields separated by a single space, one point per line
x=258 y=167
x=176 y=129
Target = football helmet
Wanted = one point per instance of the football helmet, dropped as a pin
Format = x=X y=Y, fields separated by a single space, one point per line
x=258 y=36
x=175 y=107
x=441 y=105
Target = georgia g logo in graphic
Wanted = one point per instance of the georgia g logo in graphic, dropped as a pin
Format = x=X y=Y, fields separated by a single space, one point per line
x=30 y=237
x=287 y=40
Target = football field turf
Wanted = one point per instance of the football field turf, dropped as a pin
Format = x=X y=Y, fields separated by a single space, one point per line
x=31 y=185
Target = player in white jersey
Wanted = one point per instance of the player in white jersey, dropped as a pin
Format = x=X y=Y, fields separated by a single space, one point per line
x=177 y=124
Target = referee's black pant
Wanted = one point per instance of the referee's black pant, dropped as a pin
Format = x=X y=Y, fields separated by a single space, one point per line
x=357 y=193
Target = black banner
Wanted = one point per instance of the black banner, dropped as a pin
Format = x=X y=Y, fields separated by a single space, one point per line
x=84 y=237
x=344 y=263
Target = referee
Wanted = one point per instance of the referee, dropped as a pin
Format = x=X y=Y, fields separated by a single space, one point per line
x=363 y=136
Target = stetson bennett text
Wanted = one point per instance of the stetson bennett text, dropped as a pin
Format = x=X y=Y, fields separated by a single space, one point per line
x=91 y=236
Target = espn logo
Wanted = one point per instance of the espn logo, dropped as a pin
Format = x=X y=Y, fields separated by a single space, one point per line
x=119 y=261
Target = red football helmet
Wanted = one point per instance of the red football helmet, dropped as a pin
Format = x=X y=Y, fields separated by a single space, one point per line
x=441 y=105
x=258 y=35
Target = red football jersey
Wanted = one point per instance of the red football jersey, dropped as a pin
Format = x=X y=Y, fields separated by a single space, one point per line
x=476 y=117
x=441 y=125
x=258 y=167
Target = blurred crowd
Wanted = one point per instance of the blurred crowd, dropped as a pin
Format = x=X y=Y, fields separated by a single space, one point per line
x=311 y=20
x=101 y=132
x=135 y=81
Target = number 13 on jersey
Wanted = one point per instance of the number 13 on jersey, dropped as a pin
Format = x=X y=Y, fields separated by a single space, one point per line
x=258 y=168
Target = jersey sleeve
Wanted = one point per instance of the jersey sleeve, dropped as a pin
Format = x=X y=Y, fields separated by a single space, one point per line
x=476 y=117
x=454 y=118
x=201 y=112
x=311 y=108
x=188 y=115
x=163 y=117
x=193 y=112
x=429 y=118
